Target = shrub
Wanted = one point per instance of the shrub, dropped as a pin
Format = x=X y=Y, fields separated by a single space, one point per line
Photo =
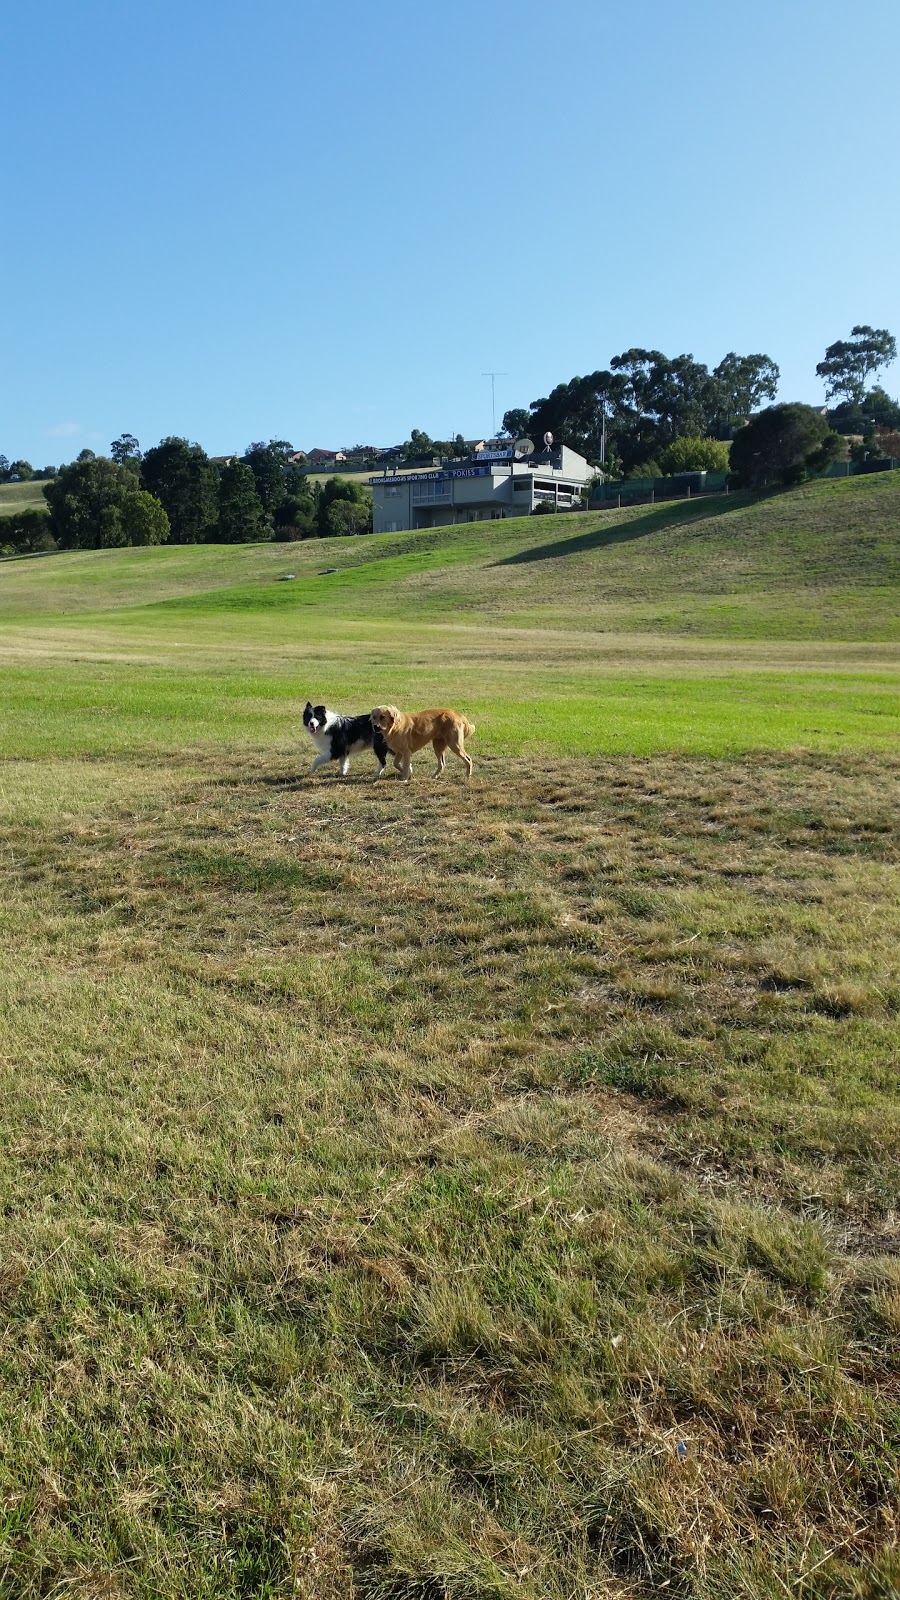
x=696 y=455
x=779 y=444
x=26 y=533
x=344 y=518
x=645 y=469
x=295 y=518
x=144 y=520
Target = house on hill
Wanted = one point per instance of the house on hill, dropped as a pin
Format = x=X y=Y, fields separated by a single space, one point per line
x=325 y=458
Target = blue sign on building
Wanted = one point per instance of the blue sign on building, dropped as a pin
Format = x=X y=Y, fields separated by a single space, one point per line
x=395 y=478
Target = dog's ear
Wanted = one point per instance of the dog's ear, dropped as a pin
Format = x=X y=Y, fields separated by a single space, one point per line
x=308 y=706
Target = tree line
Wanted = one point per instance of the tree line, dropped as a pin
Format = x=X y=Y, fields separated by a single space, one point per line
x=631 y=415
x=174 y=493
x=646 y=415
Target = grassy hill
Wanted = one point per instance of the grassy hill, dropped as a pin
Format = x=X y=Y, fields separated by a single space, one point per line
x=21 y=497
x=446 y=1193
x=735 y=623
x=819 y=562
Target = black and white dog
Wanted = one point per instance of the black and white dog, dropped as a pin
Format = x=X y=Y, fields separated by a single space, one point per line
x=338 y=738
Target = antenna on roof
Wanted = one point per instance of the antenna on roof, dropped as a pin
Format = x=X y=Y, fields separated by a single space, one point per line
x=548 y=440
x=492 y=376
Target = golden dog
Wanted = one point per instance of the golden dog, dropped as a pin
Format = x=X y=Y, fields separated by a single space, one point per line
x=407 y=732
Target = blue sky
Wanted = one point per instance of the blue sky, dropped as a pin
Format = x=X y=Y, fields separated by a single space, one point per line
x=324 y=223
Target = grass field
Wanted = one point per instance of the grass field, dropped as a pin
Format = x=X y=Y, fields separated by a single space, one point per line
x=21 y=497
x=445 y=1193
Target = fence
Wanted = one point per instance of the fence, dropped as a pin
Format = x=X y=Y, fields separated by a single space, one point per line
x=687 y=485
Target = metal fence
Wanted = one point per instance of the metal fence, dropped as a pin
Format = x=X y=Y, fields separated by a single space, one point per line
x=690 y=485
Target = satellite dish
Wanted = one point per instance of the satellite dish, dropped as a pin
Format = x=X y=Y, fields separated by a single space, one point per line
x=548 y=440
x=523 y=447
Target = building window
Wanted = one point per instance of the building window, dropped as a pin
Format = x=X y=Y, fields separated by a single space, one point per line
x=427 y=493
x=521 y=485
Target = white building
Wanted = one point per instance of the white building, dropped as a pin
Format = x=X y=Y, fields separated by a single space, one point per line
x=493 y=483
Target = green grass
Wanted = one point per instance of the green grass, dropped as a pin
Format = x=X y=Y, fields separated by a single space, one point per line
x=437 y=1193
x=719 y=627
x=21 y=497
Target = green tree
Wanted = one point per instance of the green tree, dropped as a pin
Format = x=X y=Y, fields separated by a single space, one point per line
x=516 y=422
x=344 y=518
x=574 y=413
x=26 y=532
x=283 y=449
x=418 y=444
x=124 y=449
x=341 y=489
x=295 y=518
x=779 y=445
x=267 y=464
x=91 y=505
x=183 y=479
x=22 y=470
x=695 y=455
x=143 y=519
x=741 y=384
x=876 y=410
x=4 y=469
x=849 y=363
x=241 y=517
x=645 y=401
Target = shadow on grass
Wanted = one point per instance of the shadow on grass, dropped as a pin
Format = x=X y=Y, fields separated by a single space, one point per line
x=657 y=520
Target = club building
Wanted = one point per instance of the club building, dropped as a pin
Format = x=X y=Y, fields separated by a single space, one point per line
x=503 y=482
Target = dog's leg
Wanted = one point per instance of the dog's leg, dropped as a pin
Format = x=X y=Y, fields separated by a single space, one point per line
x=440 y=751
x=319 y=762
x=345 y=766
x=407 y=769
x=379 y=772
x=459 y=749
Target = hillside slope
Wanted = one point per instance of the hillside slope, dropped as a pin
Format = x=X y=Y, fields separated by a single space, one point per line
x=820 y=561
x=21 y=497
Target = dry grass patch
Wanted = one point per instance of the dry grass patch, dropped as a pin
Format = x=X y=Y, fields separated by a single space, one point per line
x=446 y=1193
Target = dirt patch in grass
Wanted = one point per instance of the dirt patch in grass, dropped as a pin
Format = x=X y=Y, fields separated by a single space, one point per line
x=445 y=1192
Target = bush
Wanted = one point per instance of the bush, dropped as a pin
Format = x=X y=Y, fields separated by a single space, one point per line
x=646 y=469
x=696 y=455
x=780 y=444
x=344 y=518
x=143 y=519
x=544 y=508
x=339 y=489
x=295 y=518
x=26 y=533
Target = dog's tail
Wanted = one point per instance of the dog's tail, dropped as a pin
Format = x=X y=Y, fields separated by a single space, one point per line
x=468 y=727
